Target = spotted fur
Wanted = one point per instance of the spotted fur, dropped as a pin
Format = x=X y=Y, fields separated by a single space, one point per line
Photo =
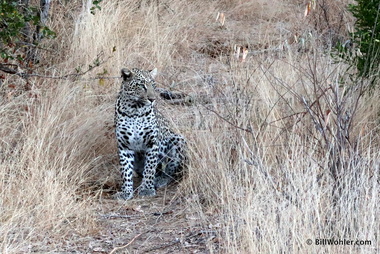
x=145 y=142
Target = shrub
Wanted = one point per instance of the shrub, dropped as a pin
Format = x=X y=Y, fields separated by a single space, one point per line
x=366 y=38
x=14 y=18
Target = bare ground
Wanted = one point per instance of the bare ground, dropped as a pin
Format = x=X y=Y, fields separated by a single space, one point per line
x=162 y=224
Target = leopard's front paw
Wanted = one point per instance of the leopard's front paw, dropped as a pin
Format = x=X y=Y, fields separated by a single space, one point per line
x=147 y=192
x=123 y=195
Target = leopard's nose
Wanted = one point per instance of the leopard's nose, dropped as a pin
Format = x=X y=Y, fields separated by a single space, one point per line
x=151 y=99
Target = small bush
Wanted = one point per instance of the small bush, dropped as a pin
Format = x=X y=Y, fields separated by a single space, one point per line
x=366 y=38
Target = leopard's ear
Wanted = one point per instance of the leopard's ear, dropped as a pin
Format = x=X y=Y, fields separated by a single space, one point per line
x=126 y=74
x=153 y=72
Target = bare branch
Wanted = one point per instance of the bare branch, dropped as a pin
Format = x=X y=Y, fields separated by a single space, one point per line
x=97 y=63
x=4 y=68
x=125 y=246
x=249 y=130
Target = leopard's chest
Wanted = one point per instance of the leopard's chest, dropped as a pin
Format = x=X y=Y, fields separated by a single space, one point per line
x=137 y=133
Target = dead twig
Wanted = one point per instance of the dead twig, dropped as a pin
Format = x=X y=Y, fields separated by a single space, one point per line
x=13 y=69
x=249 y=130
x=163 y=246
x=125 y=246
x=116 y=216
x=66 y=77
x=6 y=69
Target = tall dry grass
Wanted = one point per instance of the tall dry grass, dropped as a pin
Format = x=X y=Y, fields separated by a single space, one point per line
x=48 y=147
x=259 y=173
x=271 y=184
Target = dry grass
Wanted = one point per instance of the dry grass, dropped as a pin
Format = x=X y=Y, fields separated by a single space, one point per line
x=272 y=187
x=47 y=149
x=259 y=174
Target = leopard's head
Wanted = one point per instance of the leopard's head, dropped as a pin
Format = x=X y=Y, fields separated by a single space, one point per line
x=138 y=85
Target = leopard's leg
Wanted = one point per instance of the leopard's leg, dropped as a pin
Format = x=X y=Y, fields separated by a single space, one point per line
x=151 y=160
x=173 y=160
x=126 y=158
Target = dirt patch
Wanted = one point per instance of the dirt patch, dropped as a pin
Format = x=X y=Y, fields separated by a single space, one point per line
x=162 y=224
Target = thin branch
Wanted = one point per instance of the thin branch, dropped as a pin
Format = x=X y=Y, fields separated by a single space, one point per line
x=4 y=68
x=96 y=63
x=125 y=246
x=12 y=69
x=66 y=77
x=228 y=121
x=303 y=113
x=163 y=246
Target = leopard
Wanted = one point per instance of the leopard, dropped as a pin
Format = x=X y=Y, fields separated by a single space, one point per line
x=146 y=143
